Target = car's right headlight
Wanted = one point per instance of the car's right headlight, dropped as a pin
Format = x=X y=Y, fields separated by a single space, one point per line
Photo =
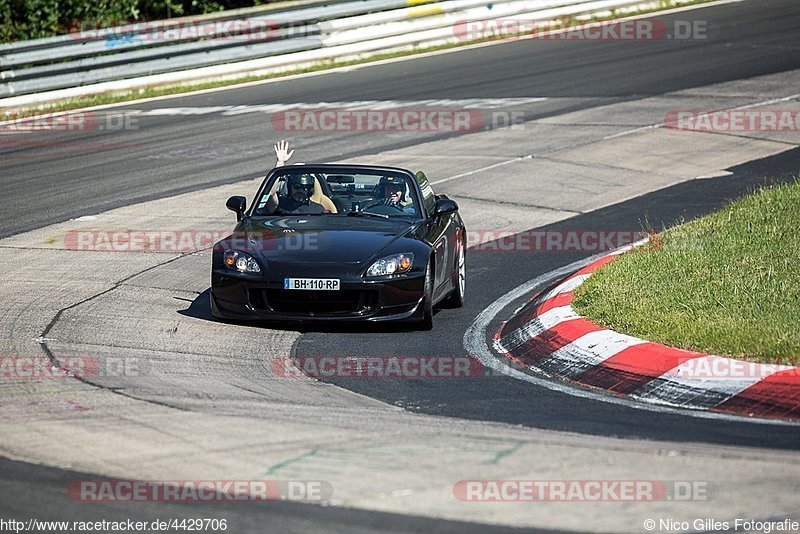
x=394 y=264
x=239 y=261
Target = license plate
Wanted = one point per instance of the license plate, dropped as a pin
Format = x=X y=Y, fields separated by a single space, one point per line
x=312 y=284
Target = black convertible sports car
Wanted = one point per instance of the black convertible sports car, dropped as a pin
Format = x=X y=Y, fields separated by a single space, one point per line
x=340 y=242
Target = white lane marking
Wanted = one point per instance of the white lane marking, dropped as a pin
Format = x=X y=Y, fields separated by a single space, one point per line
x=469 y=103
x=475 y=344
x=767 y=102
x=184 y=111
x=616 y=135
x=475 y=171
x=629 y=132
x=588 y=351
x=746 y=106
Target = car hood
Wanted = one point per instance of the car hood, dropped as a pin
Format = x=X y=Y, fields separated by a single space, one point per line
x=316 y=238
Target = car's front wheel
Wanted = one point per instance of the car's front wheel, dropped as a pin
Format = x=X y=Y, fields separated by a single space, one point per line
x=456 y=298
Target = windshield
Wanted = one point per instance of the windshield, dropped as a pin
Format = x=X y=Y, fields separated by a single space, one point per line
x=298 y=191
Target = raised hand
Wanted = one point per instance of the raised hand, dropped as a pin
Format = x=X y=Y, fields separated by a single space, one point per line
x=282 y=153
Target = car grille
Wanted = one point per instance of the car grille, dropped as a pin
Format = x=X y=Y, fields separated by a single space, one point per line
x=314 y=302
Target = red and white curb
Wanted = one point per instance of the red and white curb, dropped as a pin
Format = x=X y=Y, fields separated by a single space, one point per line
x=548 y=336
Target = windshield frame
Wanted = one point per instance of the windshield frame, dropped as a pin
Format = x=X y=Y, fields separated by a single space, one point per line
x=272 y=176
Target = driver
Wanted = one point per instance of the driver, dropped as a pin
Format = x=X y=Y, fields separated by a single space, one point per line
x=392 y=189
x=301 y=187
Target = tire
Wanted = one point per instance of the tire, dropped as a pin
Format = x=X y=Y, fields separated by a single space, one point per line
x=456 y=297
x=427 y=304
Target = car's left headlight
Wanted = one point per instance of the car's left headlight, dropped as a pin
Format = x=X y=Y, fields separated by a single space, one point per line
x=239 y=261
x=394 y=264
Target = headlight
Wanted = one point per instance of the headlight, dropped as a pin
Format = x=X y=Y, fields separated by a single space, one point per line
x=239 y=261
x=396 y=264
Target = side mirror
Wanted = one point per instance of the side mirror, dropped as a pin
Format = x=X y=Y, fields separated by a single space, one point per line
x=238 y=204
x=444 y=205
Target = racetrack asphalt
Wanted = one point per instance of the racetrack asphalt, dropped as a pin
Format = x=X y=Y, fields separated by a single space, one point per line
x=46 y=181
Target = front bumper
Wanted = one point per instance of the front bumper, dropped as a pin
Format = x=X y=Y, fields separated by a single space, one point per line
x=250 y=298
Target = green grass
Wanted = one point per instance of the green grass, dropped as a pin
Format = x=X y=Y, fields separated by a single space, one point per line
x=114 y=97
x=725 y=284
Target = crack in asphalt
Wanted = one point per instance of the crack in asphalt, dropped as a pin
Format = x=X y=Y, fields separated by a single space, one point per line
x=54 y=361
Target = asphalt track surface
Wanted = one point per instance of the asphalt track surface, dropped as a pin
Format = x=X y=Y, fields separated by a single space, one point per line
x=49 y=178
x=45 y=183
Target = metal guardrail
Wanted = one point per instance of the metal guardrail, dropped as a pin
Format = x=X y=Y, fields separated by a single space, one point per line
x=167 y=34
x=232 y=14
x=193 y=48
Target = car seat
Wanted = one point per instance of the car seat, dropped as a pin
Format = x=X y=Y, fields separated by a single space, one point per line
x=320 y=198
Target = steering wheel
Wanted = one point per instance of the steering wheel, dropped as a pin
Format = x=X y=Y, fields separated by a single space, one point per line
x=384 y=204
